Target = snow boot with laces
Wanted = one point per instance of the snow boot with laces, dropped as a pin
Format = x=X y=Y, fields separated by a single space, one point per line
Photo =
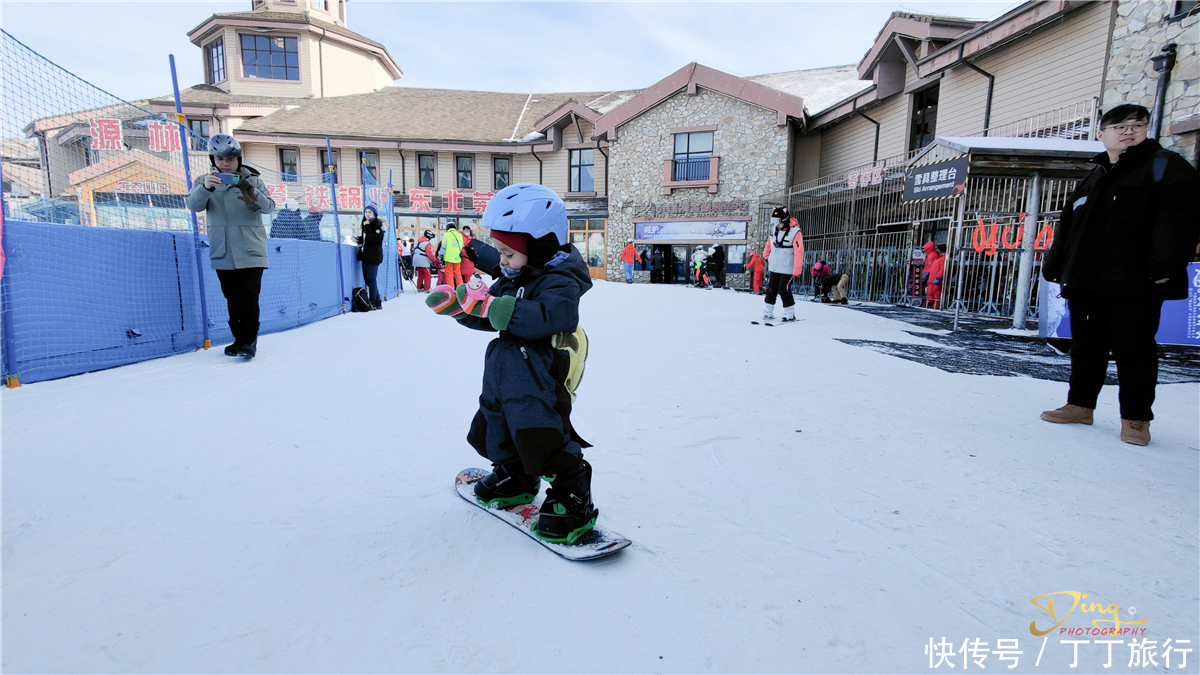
x=507 y=485
x=789 y=313
x=1135 y=431
x=768 y=312
x=567 y=513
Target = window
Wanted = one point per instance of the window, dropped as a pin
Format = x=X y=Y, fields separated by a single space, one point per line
x=327 y=162
x=1184 y=8
x=587 y=236
x=583 y=178
x=500 y=173
x=268 y=58
x=322 y=5
x=289 y=164
x=693 y=153
x=369 y=160
x=924 y=118
x=200 y=134
x=426 y=170
x=214 y=62
x=464 y=172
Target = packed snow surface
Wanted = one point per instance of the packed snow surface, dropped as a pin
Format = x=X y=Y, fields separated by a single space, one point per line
x=797 y=504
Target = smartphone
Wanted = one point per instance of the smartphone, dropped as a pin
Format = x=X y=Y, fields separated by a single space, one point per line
x=229 y=178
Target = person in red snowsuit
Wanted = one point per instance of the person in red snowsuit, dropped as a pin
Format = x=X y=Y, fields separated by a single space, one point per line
x=935 y=264
x=755 y=266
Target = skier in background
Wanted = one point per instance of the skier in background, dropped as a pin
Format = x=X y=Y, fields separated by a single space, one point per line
x=629 y=258
x=452 y=257
x=423 y=260
x=370 y=241
x=755 y=268
x=237 y=238
x=523 y=425
x=820 y=269
x=935 y=263
x=785 y=259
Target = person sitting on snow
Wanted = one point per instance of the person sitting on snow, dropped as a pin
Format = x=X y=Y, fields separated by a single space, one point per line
x=523 y=425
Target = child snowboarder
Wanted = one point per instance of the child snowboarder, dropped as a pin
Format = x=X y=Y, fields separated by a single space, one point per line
x=523 y=425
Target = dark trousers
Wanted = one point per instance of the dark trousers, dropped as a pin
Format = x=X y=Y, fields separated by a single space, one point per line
x=1124 y=327
x=241 y=289
x=779 y=284
x=371 y=276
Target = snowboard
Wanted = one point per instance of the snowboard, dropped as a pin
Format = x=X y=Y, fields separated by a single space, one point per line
x=595 y=544
x=776 y=322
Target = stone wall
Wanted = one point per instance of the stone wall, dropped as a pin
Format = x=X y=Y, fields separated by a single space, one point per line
x=1140 y=31
x=752 y=148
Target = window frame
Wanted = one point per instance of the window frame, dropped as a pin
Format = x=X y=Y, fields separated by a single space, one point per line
x=320 y=5
x=337 y=157
x=372 y=169
x=496 y=172
x=433 y=171
x=196 y=143
x=271 y=40
x=210 y=73
x=574 y=182
x=283 y=174
x=458 y=172
x=918 y=97
x=689 y=155
x=1179 y=13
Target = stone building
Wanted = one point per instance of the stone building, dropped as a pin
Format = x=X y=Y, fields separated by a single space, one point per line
x=1141 y=31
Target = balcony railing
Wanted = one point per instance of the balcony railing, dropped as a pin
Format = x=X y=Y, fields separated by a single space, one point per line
x=691 y=173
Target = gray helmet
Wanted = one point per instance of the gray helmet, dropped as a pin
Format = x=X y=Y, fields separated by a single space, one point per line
x=224 y=145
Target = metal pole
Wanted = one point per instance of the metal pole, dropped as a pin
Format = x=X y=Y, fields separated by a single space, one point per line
x=337 y=222
x=11 y=377
x=958 y=258
x=1033 y=203
x=187 y=172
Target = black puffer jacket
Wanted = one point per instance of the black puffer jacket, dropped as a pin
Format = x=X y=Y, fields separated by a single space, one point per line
x=1121 y=230
x=372 y=242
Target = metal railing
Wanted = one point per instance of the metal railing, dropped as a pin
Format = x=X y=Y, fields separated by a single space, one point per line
x=1077 y=121
x=694 y=168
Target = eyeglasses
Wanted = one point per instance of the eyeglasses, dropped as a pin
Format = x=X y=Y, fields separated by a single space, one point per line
x=1136 y=128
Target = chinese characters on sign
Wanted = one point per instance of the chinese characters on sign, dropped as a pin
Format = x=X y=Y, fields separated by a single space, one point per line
x=692 y=209
x=451 y=201
x=106 y=135
x=732 y=230
x=934 y=181
x=141 y=187
x=163 y=136
x=278 y=193
x=872 y=176
x=988 y=238
x=317 y=197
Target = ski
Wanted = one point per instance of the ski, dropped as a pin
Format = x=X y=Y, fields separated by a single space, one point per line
x=776 y=323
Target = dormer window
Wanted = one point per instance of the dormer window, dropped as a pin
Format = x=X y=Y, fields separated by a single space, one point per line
x=214 y=62
x=322 y=5
x=270 y=58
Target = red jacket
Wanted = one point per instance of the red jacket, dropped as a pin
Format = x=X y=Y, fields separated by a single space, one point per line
x=935 y=264
x=466 y=266
x=630 y=254
x=755 y=264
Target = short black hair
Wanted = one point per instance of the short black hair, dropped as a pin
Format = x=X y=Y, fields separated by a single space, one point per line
x=1124 y=113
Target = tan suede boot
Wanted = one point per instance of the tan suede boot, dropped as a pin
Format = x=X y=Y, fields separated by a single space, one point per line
x=1133 y=431
x=1069 y=414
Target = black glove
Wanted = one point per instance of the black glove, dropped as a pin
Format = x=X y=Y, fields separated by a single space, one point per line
x=247 y=195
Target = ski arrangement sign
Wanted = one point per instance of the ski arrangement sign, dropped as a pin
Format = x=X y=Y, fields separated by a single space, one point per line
x=936 y=181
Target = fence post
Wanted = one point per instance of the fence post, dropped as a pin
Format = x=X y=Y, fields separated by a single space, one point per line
x=187 y=173
x=337 y=223
x=12 y=377
x=959 y=258
x=1033 y=204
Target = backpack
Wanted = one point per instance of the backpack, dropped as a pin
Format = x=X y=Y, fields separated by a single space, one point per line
x=360 y=300
x=575 y=344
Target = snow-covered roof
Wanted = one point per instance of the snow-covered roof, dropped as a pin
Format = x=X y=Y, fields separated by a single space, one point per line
x=819 y=87
x=1043 y=147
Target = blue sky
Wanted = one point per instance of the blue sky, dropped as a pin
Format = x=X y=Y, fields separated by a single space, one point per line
x=495 y=46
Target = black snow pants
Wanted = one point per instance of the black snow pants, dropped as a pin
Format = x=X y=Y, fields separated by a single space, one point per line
x=241 y=289
x=781 y=285
x=524 y=409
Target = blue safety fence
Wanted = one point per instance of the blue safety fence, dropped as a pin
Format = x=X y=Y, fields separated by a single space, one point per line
x=105 y=264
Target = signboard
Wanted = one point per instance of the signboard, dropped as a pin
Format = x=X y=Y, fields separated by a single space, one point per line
x=718 y=230
x=936 y=181
x=692 y=209
x=141 y=187
x=163 y=136
x=871 y=176
x=106 y=135
x=1006 y=234
x=1179 y=325
x=452 y=201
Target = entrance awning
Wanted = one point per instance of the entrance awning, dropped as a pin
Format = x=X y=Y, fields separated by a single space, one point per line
x=1016 y=157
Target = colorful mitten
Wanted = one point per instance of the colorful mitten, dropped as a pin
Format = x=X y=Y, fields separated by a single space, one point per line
x=443 y=301
x=475 y=300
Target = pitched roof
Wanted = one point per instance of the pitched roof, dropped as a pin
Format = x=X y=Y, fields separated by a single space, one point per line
x=411 y=113
x=291 y=17
x=123 y=111
x=819 y=87
x=124 y=159
x=203 y=94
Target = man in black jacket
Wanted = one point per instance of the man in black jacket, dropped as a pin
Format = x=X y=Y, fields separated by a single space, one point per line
x=1122 y=247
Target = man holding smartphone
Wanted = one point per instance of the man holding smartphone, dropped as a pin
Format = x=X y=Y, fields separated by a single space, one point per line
x=234 y=200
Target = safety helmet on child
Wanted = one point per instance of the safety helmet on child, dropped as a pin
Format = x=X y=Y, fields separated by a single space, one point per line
x=224 y=145
x=527 y=208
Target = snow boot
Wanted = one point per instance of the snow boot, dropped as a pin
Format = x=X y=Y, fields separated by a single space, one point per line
x=843 y=301
x=507 y=485
x=1135 y=432
x=1070 y=414
x=567 y=513
x=789 y=313
x=248 y=351
x=232 y=350
x=768 y=312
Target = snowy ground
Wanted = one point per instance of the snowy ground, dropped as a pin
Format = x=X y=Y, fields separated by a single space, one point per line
x=797 y=504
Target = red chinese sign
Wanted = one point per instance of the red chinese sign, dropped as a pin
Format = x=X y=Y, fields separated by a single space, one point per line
x=480 y=200
x=452 y=201
x=419 y=200
x=317 y=197
x=163 y=136
x=872 y=176
x=350 y=197
x=377 y=196
x=106 y=135
x=987 y=239
x=278 y=193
